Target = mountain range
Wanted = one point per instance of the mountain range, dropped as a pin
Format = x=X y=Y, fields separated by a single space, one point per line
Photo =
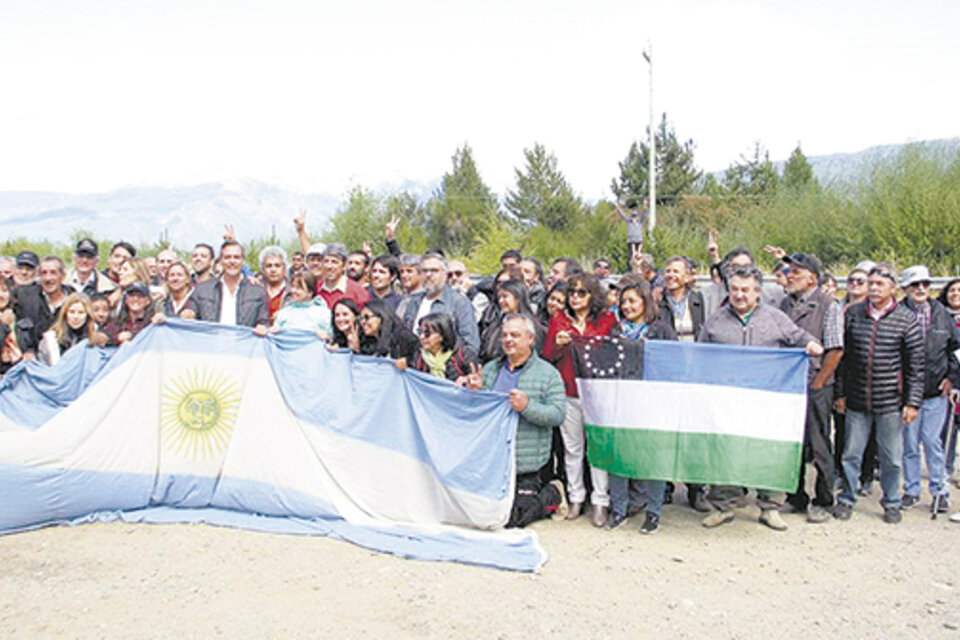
x=185 y=215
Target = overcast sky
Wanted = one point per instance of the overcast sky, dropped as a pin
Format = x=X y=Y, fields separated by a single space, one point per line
x=321 y=95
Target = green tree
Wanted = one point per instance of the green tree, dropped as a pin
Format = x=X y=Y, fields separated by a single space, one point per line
x=676 y=172
x=752 y=176
x=462 y=206
x=361 y=219
x=543 y=195
x=797 y=172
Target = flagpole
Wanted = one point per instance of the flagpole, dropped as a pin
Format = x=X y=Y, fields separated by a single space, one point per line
x=648 y=55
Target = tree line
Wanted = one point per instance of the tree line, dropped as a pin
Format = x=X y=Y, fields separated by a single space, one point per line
x=905 y=210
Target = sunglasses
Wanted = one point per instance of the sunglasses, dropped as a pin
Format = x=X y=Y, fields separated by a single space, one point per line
x=367 y=317
x=579 y=292
x=426 y=332
x=921 y=285
x=856 y=281
x=455 y=274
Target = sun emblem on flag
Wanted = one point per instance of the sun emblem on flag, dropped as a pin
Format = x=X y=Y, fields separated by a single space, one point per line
x=198 y=409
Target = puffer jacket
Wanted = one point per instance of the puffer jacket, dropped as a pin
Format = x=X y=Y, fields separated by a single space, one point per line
x=883 y=361
x=546 y=408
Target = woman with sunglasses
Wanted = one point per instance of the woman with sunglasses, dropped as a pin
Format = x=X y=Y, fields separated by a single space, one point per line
x=383 y=334
x=441 y=354
x=586 y=315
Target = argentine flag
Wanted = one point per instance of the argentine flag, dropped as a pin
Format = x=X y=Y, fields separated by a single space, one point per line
x=194 y=422
x=711 y=414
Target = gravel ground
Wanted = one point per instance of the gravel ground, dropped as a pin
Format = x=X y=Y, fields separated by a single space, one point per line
x=857 y=579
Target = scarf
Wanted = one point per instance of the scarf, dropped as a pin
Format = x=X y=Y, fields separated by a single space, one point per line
x=437 y=362
x=633 y=331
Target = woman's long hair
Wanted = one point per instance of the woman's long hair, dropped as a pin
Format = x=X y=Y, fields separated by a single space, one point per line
x=63 y=331
x=383 y=343
x=339 y=337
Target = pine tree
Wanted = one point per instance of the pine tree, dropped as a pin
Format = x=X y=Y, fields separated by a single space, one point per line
x=543 y=195
x=753 y=176
x=676 y=172
x=797 y=172
x=462 y=206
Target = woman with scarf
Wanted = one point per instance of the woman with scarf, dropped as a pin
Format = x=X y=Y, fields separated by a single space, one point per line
x=441 y=354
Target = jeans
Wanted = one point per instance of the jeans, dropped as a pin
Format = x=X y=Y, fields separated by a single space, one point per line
x=890 y=448
x=574 y=448
x=926 y=429
x=727 y=498
x=640 y=493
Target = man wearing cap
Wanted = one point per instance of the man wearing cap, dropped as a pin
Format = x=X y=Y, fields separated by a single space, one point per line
x=119 y=253
x=941 y=377
x=201 y=260
x=813 y=311
x=232 y=298
x=880 y=385
x=38 y=304
x=335 y=284
x=26 y=272
x=745 y=321
x=314 y=263
x=84 y=277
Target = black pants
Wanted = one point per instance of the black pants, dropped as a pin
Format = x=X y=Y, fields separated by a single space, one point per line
x=534 y=500
x=816 y=448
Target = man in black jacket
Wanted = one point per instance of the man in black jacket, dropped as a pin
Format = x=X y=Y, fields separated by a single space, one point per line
x=39 y=304
x=231 y=298
x=942 y=374
x=881 y=385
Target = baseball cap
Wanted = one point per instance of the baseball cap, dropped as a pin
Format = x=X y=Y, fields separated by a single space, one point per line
x=88 y=247
x=28 y=259
x=804 y=261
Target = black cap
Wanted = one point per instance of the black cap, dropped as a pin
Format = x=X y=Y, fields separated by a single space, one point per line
x=137 y=287
x=28 y=259
x=126 y=245
x=804 y=261
x=88 y=247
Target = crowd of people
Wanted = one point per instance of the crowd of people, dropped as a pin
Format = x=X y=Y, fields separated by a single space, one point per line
x=883 y=380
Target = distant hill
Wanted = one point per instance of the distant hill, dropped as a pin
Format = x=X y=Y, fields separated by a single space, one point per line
x=185 y=214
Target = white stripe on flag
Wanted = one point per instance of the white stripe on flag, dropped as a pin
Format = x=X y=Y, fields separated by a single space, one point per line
x=693 y=408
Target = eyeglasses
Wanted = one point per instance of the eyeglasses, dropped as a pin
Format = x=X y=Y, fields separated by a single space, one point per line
x=426 y=332
x=921 y=285
x=579 y=292
x=455 y=274
x=367 y=317
x=856 y=281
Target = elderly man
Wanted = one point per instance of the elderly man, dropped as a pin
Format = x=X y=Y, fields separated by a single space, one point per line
x=8 y=267
x=273 y=268
x=440 y=297
x=26 y=271
x=819 y=315
x=335 y=284
x=84 y=277
x=536 y=393
x=880 y=386
x=232 y=298
x=715 y=295
x=745 y=321
x=458 y=275
x=941 y=377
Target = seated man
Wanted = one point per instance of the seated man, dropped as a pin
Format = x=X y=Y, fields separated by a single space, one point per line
x=536 y=393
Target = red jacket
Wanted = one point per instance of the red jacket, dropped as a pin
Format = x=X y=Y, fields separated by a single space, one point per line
x=562 y=356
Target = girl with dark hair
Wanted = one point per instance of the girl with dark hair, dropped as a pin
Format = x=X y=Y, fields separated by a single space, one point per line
x=511 y=298
x=639 y=321
x=533 y=279
x=441 y=354
x=346 y=325
x=555 y=302
x=950 y=298
x=587 y=316
x=383 y=334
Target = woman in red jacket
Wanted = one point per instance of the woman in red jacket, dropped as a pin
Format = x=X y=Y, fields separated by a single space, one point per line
x=586 y=315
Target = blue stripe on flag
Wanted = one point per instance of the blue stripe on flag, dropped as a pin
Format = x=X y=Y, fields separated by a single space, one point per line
x=765 y=368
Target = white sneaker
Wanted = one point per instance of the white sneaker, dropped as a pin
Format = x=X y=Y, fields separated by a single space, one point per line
x=955 y=517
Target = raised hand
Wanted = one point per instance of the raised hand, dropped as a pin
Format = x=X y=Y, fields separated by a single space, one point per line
x=392 y=225
x=301 y=220
x=229 y=234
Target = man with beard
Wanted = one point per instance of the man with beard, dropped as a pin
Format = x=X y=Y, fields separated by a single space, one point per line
x=202 y=262
x=440 y=297
x=357 y=263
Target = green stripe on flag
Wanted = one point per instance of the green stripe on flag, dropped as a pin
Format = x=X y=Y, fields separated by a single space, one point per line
x=701 y=458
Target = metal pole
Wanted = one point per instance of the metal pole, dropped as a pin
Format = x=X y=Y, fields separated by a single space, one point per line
x=648 y=54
